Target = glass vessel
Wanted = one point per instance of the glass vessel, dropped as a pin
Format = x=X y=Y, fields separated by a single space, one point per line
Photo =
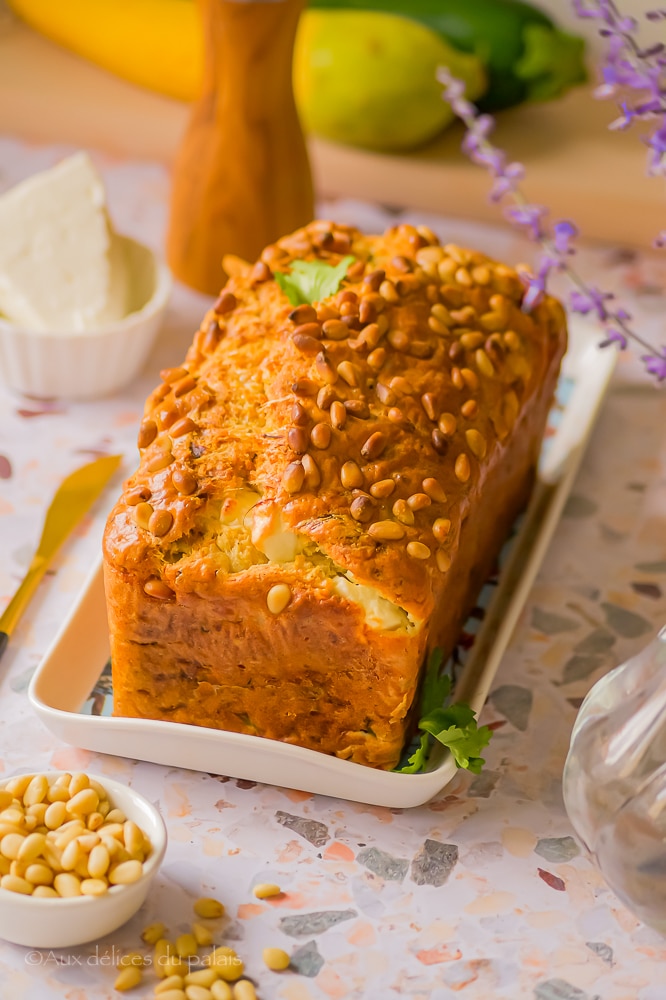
x=614 y=781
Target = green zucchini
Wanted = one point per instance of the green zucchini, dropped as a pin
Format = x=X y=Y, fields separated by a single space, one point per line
x=525 y=55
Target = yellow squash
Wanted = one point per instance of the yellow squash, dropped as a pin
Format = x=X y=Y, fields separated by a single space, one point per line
x=155 y=43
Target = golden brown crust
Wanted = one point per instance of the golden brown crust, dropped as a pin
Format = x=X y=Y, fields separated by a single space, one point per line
x=374 y=426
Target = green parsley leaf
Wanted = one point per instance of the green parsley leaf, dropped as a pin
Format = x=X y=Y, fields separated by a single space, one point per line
x=454 y=726
x=311 y=280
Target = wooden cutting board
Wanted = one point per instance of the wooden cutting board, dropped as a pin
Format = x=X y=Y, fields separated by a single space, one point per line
x=574 y=165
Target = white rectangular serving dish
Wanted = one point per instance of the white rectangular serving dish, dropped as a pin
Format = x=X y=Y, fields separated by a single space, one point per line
x=72 y=666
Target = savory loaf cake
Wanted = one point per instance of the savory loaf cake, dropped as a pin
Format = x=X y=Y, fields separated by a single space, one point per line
x=324 y=488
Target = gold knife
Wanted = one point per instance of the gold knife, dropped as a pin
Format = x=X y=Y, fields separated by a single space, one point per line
x=74 y=497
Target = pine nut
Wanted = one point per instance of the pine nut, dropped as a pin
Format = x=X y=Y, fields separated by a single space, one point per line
x=128 y=979
x=39 y=874
x=265 y=890
x=351 y=476
x=320 y=435
x=158 y=589
x=99 y=861
x=45 y=892
x=153 y=932
x=361 y=509
x=186 y=945
x=403 y=512
x=417 y=550
x=443 y=560
x=84 y=802
x=293 y=477
x=196 y=992
x=93 y=887
x=384 y=531
x=208 y=908
x=17 y=786
x=276 y=959
x=202 y=977
x=11 y=844
x=447 y=424
x=462 y=468
x=15 y=883
x=172 y=994
x=477 y=443
x=277 y=599
x=244 y=990
x=221 y=991
x=382 y=489
x=428 y=403
x=227 y=964
x=202 y=935
x=434 y=490
x=170 y=983
x=66 y=884
x=126 y=872
x=441 y=528
x=31 y=847
x=374 y=446
x=347 y=371
x=36 y=790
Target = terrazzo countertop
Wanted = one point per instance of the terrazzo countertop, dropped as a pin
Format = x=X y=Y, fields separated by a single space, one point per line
x=480 y=893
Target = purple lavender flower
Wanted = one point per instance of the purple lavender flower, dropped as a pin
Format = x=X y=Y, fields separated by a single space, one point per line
x=657 y=143
x=557 y=248
x=564 y=233
x=615 y=337
x=656 y=364
x=591 y=300
x=529 y=217
x=507 y=180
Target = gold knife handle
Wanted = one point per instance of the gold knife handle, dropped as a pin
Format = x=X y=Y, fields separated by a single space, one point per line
x=19 y=601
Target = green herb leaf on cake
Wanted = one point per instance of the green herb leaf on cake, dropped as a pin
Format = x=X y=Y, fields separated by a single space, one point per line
x=311 y=280
x=454 y=726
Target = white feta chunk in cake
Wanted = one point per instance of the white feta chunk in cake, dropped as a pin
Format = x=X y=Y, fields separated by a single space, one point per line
x=61 y=267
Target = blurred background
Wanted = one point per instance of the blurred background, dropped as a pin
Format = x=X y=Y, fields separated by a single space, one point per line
x=126 y=92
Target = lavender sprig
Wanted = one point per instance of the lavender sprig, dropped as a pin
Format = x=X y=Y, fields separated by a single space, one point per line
x=634 y=76
x=557 y=246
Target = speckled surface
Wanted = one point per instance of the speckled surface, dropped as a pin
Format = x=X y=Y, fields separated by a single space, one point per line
x=481 y=893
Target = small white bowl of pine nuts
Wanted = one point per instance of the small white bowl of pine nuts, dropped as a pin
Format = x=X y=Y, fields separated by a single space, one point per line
x=77 y=856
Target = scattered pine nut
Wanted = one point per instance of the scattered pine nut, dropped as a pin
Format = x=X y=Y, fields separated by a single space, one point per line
x=186 y=945
x=276 y=959
x=202 y=935
x=208 y=908
x=195 y=992
x=128 y=979
x=221 y=991
x=202 y=977
x=266 y=889
x=244 y=990
x=153 y=932
x=171 y=983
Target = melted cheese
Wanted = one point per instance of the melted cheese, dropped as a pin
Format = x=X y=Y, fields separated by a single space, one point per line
x=252 y=529
x=379 y=613
x=270 y=535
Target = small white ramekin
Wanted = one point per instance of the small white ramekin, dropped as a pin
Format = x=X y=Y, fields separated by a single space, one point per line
x=65 y=923
x=88 y=364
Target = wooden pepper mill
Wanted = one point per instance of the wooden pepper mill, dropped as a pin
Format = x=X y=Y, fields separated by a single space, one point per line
x=241 y=177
